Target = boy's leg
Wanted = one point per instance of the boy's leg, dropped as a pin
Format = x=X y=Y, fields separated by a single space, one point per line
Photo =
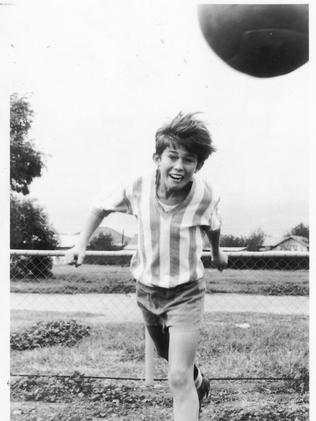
x=160 y=337
x=182 y=349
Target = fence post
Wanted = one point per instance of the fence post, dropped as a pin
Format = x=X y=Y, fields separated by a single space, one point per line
x=149 y=359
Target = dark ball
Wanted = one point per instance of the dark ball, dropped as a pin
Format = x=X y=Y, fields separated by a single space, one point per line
x=263 y=40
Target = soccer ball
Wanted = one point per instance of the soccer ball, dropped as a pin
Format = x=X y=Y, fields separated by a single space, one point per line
x=263 y=40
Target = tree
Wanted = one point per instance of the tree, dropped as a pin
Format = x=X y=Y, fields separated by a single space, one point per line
x=301 y=230
x=255 y=240
x=233 y=241
x=30 y=229
x=26 y=162
x=102 y=242
x=29 y=226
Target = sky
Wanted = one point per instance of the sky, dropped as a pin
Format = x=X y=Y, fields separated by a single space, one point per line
x=102 y=76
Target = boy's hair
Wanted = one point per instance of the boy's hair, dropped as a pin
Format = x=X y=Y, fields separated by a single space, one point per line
x=188 y=131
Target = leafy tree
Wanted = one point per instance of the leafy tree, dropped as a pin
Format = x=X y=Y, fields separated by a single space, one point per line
x=233 y=241
x=255 y=240
x=29 y=229
x=301 y=230
x=101 y=242
x=26 y=162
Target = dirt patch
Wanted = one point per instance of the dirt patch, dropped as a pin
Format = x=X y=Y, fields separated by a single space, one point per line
x=76 y=398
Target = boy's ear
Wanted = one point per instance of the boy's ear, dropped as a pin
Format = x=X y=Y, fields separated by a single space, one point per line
x=199 y=166
x=156 y=158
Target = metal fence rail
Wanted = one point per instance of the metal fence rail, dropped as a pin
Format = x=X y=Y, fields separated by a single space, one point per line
x=40 y=270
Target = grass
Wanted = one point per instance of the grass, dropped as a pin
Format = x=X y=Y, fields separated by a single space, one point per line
x=269 y=347
x=272 y=345
x=231 y=345
x=117 y=279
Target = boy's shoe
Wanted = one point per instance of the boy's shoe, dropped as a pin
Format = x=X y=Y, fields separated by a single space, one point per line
x=203 y=391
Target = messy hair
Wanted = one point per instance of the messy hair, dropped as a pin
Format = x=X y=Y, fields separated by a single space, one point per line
x=189 y=132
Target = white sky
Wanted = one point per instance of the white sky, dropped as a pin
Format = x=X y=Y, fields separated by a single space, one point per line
x=104 y=75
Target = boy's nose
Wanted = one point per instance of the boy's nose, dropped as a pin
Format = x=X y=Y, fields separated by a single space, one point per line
x=178 y=165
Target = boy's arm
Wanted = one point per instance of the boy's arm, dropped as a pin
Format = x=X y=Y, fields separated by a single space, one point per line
x=76 y=254
x=219 y=258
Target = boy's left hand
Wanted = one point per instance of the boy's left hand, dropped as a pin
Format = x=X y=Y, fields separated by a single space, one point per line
x=220 y=260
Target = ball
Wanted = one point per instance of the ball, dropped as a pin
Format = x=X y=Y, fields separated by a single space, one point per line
x=262 y=40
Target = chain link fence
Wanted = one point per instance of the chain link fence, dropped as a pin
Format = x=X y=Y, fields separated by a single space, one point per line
x=91 y=309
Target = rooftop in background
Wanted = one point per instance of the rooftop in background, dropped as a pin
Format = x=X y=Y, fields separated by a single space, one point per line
x=288 y=242
x=68 y=240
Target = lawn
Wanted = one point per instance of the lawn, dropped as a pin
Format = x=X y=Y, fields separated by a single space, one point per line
x=267 y=346
x=117 y=279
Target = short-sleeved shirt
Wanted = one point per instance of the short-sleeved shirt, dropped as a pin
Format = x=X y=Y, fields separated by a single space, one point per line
x=170 y=242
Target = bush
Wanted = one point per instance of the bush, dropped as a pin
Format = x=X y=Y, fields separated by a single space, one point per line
x=30 y=267
x=42 y=334
x=29 y=229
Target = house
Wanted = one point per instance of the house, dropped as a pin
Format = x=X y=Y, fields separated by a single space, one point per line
x=292 y=243
x=288 y=243
x=67 y=240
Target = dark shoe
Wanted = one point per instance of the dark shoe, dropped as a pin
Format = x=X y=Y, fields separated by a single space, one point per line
x=203 y=391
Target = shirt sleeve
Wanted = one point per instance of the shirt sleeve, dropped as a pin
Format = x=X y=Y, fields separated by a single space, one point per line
x=116 y=199
x=213 y=216
x=215 y=219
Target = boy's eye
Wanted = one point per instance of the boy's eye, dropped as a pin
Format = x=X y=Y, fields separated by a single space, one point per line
x=190 y=160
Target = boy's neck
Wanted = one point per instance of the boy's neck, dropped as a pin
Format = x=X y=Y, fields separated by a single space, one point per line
x=172 y=196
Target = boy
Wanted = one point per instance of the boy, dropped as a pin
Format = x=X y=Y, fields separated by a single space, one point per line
x=174 y=208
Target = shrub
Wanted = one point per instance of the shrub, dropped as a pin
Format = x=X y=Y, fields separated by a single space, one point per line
x=42 y=334
x=29 y=229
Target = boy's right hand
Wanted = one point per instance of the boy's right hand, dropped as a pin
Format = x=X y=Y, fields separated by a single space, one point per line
x=75 y=256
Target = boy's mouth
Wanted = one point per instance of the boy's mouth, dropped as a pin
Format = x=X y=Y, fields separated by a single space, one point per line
x=176 y=177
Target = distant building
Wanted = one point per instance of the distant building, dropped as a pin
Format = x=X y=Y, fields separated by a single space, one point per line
x=67 y=240
x=287 y=243
x=292 y=243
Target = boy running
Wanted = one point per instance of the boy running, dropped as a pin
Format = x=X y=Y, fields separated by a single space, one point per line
x=175 y=208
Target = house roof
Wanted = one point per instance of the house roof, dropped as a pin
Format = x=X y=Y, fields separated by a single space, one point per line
x=68 y=240
x=271 y=240
x=301 y=240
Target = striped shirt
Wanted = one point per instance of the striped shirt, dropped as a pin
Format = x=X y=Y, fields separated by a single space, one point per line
x=170 y=242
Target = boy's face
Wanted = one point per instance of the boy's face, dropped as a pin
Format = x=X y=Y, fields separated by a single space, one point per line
x=176 y=166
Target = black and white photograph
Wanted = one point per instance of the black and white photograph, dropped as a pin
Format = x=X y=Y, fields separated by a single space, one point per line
x=158 y=177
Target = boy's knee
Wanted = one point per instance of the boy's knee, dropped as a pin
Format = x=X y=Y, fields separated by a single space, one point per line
x=180 y=379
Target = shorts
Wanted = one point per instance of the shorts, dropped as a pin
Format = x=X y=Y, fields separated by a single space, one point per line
x=181 y=306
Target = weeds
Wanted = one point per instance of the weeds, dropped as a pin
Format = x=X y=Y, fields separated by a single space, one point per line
x=58 y=332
